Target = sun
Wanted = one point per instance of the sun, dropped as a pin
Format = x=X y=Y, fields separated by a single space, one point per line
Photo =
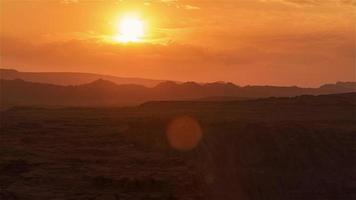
x=131 y=29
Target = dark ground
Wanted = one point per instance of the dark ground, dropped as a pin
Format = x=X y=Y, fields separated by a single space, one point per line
x=286 y=148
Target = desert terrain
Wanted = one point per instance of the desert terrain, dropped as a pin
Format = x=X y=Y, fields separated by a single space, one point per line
x=274 y=148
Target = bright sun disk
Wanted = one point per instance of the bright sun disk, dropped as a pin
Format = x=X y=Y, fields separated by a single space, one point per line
x=130 y=30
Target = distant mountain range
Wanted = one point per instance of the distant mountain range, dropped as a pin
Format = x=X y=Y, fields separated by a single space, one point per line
x=107 y=93
x=71 y=78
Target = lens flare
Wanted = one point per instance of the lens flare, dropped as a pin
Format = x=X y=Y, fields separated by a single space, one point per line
x=184 y=133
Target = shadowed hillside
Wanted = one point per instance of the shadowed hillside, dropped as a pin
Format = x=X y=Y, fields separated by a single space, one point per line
x=106 y=93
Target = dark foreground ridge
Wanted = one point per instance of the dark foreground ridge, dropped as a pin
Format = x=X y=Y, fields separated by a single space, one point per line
x=275 y=148
x=304 y=100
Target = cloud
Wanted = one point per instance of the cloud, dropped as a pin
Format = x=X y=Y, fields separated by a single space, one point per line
x=69 y=1
x=190 y=7
x=174 y=3
x=315 y=2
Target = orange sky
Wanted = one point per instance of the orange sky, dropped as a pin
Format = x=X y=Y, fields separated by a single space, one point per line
x=274 y=42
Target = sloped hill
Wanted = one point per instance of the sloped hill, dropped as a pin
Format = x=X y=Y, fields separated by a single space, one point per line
x=71 y=78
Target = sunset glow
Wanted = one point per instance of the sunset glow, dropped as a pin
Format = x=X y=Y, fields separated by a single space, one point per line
x=269 y=42
x=177 y=99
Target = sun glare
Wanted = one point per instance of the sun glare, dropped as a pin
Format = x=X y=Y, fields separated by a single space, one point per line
x=130 y=30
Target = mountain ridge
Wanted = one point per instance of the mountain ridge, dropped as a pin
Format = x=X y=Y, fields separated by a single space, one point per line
x=106 y=93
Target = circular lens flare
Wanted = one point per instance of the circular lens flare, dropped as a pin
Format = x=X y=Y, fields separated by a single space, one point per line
x=184 y=133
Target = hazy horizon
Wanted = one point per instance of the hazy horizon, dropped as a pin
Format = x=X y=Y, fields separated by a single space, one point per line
x=156 y=80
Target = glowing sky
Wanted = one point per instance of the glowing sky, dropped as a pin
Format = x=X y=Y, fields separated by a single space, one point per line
x=275 y=42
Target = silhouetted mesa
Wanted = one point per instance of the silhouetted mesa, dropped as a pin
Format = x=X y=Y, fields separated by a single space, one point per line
x=106 y=93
